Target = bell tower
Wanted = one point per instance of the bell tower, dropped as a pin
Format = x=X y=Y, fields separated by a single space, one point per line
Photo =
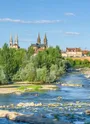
x=11 y=41
x=45 y=41
x=39 y=39
x=16 y=40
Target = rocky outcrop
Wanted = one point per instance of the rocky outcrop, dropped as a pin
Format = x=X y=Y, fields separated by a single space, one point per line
x=18 y=117
x=28 y=104
x=22 y=105
x=9 y=115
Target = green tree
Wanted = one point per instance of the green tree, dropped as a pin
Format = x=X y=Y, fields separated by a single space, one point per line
x=30 y=52
x=8 y=63
x=42 y=74
x=2 y=76
x=28 y=72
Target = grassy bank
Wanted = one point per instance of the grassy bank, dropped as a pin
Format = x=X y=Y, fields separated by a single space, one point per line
x=25 y=87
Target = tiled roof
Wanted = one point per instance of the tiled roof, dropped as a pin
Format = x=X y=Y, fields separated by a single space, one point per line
x=85 y=51
x=38 y=45
x=73 y=49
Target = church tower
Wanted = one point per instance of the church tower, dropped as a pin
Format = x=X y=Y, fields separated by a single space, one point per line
x=11 y=42
x=45 y=41
x=38 y=39
x=16 y=40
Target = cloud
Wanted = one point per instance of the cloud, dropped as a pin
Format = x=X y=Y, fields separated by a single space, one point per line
x=69 y=14
x=54 y=31
x=30 y=22
x=72 y=33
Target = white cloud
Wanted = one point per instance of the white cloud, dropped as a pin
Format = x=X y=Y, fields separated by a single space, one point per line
x=30 y=22
x=69 y=14
x=54 y=31
x=72 y=33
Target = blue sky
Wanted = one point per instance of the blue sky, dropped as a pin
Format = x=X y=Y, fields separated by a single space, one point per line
x=66 y=22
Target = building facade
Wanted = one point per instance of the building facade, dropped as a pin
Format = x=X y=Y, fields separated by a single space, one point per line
x=40 y=46
x=72 y=52
x=15 y=44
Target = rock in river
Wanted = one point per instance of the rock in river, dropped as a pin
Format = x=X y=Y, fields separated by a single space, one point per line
x=87 y=112
x=9 y=115
x=18 y=117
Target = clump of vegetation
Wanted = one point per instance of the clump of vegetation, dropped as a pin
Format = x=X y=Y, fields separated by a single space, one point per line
x=31 y=88
x=79 y=63
x=21 y=65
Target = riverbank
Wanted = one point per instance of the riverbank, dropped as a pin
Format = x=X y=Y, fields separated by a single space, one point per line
x=19 y=88
x=69 y=104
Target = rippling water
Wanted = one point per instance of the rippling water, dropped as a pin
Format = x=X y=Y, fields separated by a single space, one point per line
x=70 y=95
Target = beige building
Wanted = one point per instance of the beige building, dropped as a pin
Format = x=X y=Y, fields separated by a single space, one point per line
x=72 y=52
x=64 y=54
x=15 y=44
x=40 y=46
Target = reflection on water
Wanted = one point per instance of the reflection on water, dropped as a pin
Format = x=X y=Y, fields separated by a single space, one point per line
x=69 y=95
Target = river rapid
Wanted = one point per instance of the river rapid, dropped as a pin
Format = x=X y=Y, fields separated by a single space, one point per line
x=65 y=104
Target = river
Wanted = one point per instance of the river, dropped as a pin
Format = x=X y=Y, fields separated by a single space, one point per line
x=73 y=101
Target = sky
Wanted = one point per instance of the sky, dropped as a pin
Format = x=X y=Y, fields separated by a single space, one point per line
x=65 y=22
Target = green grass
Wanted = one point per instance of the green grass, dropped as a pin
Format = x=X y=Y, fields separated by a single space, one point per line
x=30 y=88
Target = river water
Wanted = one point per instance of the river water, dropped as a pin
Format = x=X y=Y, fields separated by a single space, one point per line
x=73 y=101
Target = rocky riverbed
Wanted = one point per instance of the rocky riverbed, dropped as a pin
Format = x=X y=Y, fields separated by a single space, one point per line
x=86 y=72
x=69 y=104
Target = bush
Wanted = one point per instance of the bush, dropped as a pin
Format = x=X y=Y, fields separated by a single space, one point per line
x=2 y=77
x=42 y=74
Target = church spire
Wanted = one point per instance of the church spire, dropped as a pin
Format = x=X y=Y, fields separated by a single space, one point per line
x=16 y=40
x=39 y=39
x=45 y=40
x=11 y=41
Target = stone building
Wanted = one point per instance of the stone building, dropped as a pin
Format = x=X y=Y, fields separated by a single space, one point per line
x=40 y=46
x=15 y=44
x=72 y=52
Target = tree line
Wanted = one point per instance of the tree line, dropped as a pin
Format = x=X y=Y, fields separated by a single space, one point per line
x=23 y=65
x=79 y=63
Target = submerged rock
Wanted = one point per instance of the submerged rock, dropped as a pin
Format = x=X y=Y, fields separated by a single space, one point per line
x=9 y=115
x=79 y=122
x=71 y=85
x=53 y=105
x=18 y=117
x=28 y=104
x=87 y=112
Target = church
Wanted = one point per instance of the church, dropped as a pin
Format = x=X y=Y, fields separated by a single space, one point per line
x=40 y=46
x=37 y=47
x=15 y=44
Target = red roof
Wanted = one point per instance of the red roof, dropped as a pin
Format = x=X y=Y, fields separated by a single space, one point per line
x=85 y=52
x=73 y=50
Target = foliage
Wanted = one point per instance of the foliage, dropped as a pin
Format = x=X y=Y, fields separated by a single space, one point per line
x=78 y=63
x=42 y=74
x=22 y=65
x=2 y=76
x=31 y=87
x=30 y=52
